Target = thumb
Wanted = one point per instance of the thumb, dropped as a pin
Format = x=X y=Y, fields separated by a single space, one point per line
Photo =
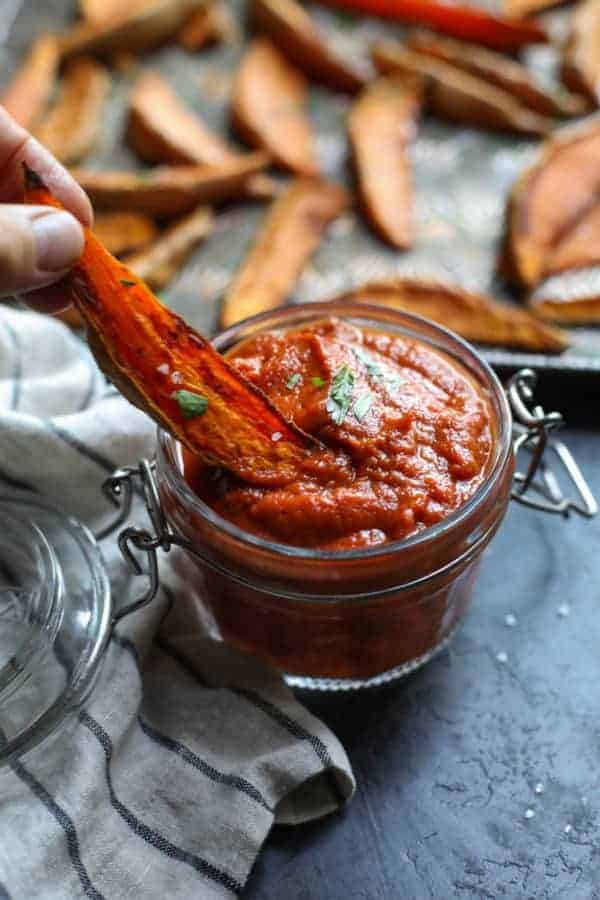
x=38 y=245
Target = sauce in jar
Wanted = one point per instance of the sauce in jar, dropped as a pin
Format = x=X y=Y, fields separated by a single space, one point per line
x=412 y=423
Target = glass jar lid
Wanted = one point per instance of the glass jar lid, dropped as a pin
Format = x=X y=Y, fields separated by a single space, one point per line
x=55 y=619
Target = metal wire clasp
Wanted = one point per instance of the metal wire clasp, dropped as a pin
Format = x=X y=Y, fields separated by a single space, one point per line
x=532 y=429
x=120 y=489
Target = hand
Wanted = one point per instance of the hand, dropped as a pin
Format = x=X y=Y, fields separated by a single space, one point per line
x=38 y=244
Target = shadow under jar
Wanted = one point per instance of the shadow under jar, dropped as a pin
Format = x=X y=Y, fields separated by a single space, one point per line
x=338 y=619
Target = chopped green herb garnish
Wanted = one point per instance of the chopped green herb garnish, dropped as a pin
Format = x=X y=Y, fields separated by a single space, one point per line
x=378 y=372
x=318 y=381
x=374 y=369
x=293 y=381
x=362 y=406
x=191 y=405
x=127 y=283
x=393 y=382
x=340 y=396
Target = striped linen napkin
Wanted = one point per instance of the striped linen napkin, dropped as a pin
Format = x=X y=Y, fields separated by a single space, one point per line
x=187 y=752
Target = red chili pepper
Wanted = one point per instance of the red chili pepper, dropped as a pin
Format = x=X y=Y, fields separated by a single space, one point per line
x=466 y=22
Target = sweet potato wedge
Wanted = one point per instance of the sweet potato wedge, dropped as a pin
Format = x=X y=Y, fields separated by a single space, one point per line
x=473 y=316
x=30 y=89
x=381 y=125
x=580 y=68
x=458 y=96
x=548 y=200
x=162 y=129
x=209 y=25
x=521 y=9
x=577 y=307
x=72 y=124
x=124 y=232
x=497 y=69
x=169 y=190
x=174 y=374
x=294 y=33
x=269 y=108
x=291 y=233
x=98 y=11
x=158 y=264
x=136 y=28
x=580 y=247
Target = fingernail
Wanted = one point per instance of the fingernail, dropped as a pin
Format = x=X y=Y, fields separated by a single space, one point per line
x=58 y=241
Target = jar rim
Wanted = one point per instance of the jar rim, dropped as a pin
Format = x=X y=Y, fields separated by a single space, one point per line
x=169 y=448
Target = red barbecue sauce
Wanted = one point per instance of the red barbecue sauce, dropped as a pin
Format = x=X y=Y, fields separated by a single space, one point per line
x=414 y=425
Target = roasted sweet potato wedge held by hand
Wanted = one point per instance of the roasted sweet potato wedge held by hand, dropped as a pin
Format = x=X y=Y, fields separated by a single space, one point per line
x=71 y=126
x=548 y=200
x=458 y=96
x=174 y=374
x=170 y=190
x=30 y=89
x=158 y=264
x=381 y=125
x=474 y=316
x=269 y=108
x=296 y=36
x=291 y=233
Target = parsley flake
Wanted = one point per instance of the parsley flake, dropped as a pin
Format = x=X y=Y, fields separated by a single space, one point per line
x=127 y=283
x=362 y=406
x=293 y=381
x=318 y=381
x=340 y=396
x=191 y=405
x=378 y=372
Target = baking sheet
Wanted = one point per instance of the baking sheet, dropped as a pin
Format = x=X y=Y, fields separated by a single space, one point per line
x=462 y=178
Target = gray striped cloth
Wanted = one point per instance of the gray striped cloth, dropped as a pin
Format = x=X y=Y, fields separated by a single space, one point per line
x=169 y=780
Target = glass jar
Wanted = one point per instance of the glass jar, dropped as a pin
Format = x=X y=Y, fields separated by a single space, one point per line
x=56 y=614
x=341 y=619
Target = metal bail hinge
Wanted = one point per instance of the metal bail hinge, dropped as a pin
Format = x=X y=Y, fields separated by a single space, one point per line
x=532 y=429
x=120 y=489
